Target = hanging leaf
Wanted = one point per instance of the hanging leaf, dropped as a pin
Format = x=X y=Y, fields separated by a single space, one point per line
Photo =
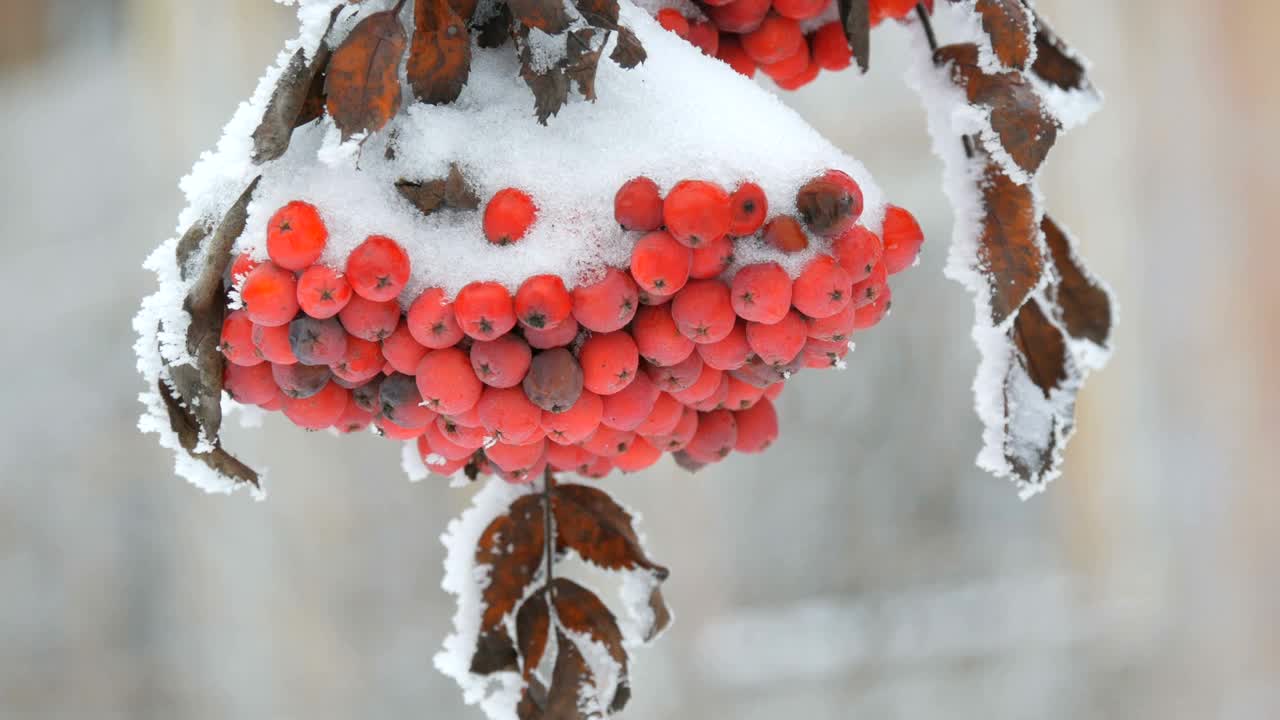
x=464 y=9
x=533 y=625
x=581 y=60
x=187 y=428
x=855 y=17
x=591 y=524
x=1008 y=247
x=440 y=58
x=628 y=52
x=298 y=99
x=1084 y=305
x=579 y=611
x=550 y=89
x=1056 y=62
x=512 y=548
x=599 y=13
x=495 y=30
x=570 y=679
x=549 y=16
x=1011 y=29
x=1033 y=449
x=363 y=81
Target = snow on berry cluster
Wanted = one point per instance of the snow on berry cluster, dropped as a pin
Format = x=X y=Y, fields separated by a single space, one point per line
x=791 y=41
x=682 y=351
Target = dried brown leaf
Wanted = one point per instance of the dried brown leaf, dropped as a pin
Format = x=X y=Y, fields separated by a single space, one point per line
x=440 y=58
x=451 y=191
x=1084 y=305
x=600 y=13
x=548 y=16
x=579 y=611
x=298 y=99
x=184 y=424
x=628 y=52
x=550 y=90
x=533 y=627
x=1040 y=351
x=1010 y=29
x=568 y=678
x=1008 y=248
x=590 y=523
x=495 y=30
x=362 y=86
x=1056 y=62
x=512 y=548
x=856 y=19
x=465 y=9
x=581 y=60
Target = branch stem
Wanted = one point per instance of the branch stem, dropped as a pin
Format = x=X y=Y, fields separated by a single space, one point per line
x=549 y=482
x=923 y=14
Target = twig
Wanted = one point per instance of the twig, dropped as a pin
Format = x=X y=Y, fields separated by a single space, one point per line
x=923 y=14
x=548 y=482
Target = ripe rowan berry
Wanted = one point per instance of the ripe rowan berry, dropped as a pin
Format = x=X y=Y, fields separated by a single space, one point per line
x=597 y=469
x=270 y=295
x=484 y=310
x=567 y=458
x=361 y=362
x=790 y=66
x=684 y=430
x=366 y=395
x=575 y=424
x=696 y=212
x=785 y=234
x=353 y=418
x=757 y=373
x=830 y=47
x=671 y=19
x=318 y=410
x=513 y=458
x=508 y=216
x=828 y=207
x=715 y=437
x=823 y=353
x=434 y=441
x=249 y=384
x=558 y=336
x=740 y=16
x=508 y=414
x=638 y=205
x=627 y=408
x=554 y=380
x=712 y=258
x=300 y=381
x=705 y=36
x=501 y=362
x=662 y=419
x=761 y=293
x=542 y=302
x=748 y=208
x=659 y=264
x=272 y=344
x=236 y=342
x=317 y=342
x=741 y=395
x=869 y=290
x=731 y=53
x=858 y=250
x=703 y=311
x=608 y=442
x=401 y=351
x=378 y=268
x=642 y=454
x=705 y=386
x=868 y=315
x=757 y=427
x=370 y=319
x=776 y=38
x=902 y=239
x=657 y=338
x=730 y=353
x=296 y=236
x=322 y=291
x=241 y=267
x=773 y=391
x=609 y=362
x=822 y=289
x=461 y=435
x=808 y=75
x=431 y=321
x=880 y=10
x=648 y=298
x=676 y=377
x=395 y=431
x=799 y=9
x=833 y=328
x=470 y=418
x=447 y=383
x=400 y=402
x=779 y=343
x=844 y=180
x=717 y=398
x=608 y=304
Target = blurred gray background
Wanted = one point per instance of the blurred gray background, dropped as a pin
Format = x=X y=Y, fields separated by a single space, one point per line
x=862 y=568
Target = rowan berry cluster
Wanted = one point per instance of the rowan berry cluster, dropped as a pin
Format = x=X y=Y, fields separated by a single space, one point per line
x=681 y=352
x=783 y=39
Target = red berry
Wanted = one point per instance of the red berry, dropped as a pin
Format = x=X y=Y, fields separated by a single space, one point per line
x=705 y=386
x=679 y=438
x=484 y=310
x=608 y=304
x=824 y=353
x=834 y=328
x=317 y=342
x=657 y=338
x=731 y=53
x=798 y=81
x=554 y=380
x=870 y=290
x=676 y=377
x=461 y=435
x=780 y=343
x=300 y=381
x=296 y=236
x=501 y=362
x=369 y=319
x=322 y=291
x=275 y=403
x=757 y=427
x=608 y=442
x=567 y=458
x=662 y=419
x=449 y=468
x=470 y=418
x=830 y=47
x=642 y=454
x=717 y=398
x=241 y=267
x=740 y=16
x=761 y=293
x=777 y=38
x=353 y=419
x=513 y=458
x=659 y=264
x=822 y=289
x=790 y=66
x=902 y=239
x=799 y=9
x=748 y=207
x=829 y=206
x=757 y=373
x=741 y=395
x=638 y=205
x=400 y=402
x=508 y=414
x=648 y=298
x=716 y=435
x=730 y=353
x=696 y=212
x=627 y=408
x=609 y=362
x=773 y=391
x=250 y=384
x=447 y=383
x=366 y=395
x=671 y=19
x=542 y=302
x=319 y=410
x=575 y=424
x=272 y=344
x=880 y=10
x=402 y=351
x=712 y=258
x=237 y=339
x=868 y=315
x=858 y=250
x=434 y=441
x=558 y=336
x=597 y=469
x=785 y=234
x=703 y=311
x=394 y=431
x=270 y=295
x=431 y=321
x=508 y=216
x=361 y=362
x=378 y=268
x=705 y=36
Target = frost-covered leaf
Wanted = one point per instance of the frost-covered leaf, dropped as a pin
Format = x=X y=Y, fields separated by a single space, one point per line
x=362 y=86
x=600 y=13
x=533 y=628
x=580 y=612
x=185 y=426
x=628 y=52
x=1009 y=251
x=440 y=55
x=1039 y=397
x=1083 y=303
x=591 y=524
x=464 y=9
x=495 y=30
x=512 y=548
x=548 y=16
x=855 y=16
x=1011 y=29
x=581 y=60
x=1056 y=62
x=451 y=191
x=298 y=99
x=569 y=678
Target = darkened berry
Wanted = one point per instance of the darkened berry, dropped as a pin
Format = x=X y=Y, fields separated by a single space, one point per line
x=554 y=380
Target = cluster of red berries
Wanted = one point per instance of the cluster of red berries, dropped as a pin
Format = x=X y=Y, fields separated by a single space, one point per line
x=669 y=355
x=768 y=35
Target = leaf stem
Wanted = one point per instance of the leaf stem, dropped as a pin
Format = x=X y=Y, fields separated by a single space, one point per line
x=549 y=482
x=923 y=14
